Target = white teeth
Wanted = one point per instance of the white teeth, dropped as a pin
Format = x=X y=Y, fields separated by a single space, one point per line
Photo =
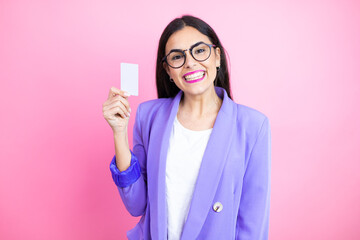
x=194 y=76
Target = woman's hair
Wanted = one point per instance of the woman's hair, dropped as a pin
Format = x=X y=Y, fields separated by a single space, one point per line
x=165 y=88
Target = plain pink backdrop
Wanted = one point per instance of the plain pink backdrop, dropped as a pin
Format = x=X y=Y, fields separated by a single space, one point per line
x=296 y=61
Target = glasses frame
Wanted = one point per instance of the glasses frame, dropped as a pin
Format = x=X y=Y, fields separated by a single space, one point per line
x=190 y=50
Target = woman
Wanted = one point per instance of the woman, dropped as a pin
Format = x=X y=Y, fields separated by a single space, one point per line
x=200 y=165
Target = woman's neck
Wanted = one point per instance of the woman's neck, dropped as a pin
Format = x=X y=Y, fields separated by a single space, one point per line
x=197 y=107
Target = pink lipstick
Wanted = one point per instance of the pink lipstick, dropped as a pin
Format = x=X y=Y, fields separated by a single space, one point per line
x=195 y=76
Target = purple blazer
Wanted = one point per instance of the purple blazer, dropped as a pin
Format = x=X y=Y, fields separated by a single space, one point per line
x=235 y=172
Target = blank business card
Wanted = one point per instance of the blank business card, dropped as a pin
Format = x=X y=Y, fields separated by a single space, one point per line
x=129 y=78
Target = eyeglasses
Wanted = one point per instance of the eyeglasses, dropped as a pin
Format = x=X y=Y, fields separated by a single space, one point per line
x=199 y=51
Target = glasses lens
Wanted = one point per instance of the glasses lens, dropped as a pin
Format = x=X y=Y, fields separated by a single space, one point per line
x=175 y=59
x=201 y=52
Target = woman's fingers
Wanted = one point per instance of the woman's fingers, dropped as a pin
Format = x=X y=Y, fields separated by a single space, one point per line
x=115 y=92
x=116 y=109
x=117 y=101
x=116 y=112
x=120 y=110
x=117 y=104
x=122 y=100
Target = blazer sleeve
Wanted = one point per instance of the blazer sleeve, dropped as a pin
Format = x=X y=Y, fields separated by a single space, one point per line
x=253 y=216
x=131 y=183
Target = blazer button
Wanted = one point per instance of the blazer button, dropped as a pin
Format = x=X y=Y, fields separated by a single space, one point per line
x=217 y=207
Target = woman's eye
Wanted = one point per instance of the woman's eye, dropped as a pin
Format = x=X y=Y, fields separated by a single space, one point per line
x=200 y=50
x=176 y=57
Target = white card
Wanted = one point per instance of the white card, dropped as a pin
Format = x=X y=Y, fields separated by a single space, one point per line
x=129 y=78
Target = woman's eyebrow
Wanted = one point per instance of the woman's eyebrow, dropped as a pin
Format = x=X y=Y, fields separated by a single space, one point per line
x=180 y=50
x=196 y=44
x=175 y=50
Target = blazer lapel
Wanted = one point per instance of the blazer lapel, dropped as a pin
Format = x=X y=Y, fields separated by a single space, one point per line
x=211 y=168
x=156 y=165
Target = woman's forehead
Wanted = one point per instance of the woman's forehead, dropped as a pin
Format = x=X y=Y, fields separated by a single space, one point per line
x=185 y=38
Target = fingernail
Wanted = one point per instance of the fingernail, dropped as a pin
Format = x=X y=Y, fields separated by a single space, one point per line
x=128 y=114
x=129 y=110
x=126 y=94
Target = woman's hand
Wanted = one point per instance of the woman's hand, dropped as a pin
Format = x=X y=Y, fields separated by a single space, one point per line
x=116 y=110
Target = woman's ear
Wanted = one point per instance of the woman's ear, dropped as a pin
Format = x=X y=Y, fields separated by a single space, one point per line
x=218 y=56
x=166 y=67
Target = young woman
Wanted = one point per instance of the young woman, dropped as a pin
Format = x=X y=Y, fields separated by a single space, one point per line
x=200 y=164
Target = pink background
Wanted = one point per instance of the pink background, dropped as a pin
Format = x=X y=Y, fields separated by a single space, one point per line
x=296 y=61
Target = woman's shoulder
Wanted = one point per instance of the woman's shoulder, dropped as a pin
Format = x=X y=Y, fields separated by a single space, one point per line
x=243 y=112
x=250 y=116
x=250 y=112
x=151 y=107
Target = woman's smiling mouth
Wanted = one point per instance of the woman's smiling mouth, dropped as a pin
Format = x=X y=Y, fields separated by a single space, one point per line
x=195 y=76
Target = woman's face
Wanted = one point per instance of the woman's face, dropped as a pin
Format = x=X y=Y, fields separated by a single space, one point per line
x=194 y=77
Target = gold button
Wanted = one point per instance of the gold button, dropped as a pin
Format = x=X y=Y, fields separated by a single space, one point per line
x=217 y=207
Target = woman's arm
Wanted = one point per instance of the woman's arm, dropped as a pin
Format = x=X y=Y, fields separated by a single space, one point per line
x=253 y=216
x=131 y=181
x=116 y=111
x=122 y=150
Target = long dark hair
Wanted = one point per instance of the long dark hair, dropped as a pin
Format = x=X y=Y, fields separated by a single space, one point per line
x=165 y=88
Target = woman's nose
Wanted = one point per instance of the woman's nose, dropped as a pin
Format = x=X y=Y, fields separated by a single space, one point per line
x=189 y=60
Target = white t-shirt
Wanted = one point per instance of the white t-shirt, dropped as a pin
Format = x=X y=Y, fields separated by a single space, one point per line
x=185 y=153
